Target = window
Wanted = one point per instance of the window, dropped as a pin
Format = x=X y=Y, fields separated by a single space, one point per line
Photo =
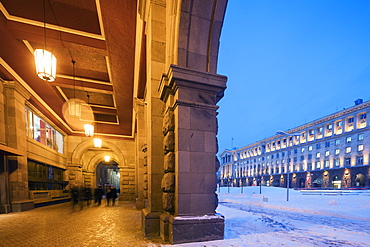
x=337 y=142
x=337 y=162
x=282 y=154
x=360 y=137
x=348 y=139
x=39 y=130
x=318 y=146
x=320 y=129
x=360 y=160
x=302 y=150
x=277 y=155
x=302 y=157
x=311 y=132
x=318 y=165
x=327 y=153
x=309 y=148
x=347 y=162
x=327 y=163
x=45 y=177
x=327 y=144
x=309 y=156
x=295 y=151
x=309 y=166
x=350 y=120
x=337 y=151
x=317 y=155
x=348 y=150
x=360 y=147
x=362 y=120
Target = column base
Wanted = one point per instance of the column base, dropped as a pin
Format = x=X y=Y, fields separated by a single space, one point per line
x=150 y=223
x=5 y=209
x=186 y=229
x=20 y=206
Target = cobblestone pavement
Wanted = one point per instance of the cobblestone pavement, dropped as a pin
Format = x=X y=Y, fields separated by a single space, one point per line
x=59 y=225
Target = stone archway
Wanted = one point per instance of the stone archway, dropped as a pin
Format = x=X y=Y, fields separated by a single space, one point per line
x=85 y=158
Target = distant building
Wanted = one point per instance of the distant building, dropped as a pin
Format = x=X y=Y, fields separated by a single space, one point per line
x=330 y=152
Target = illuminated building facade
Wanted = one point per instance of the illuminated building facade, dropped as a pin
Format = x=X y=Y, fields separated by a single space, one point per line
x=330 y=152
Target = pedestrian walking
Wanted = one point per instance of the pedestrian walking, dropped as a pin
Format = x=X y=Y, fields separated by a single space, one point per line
x=98 y=194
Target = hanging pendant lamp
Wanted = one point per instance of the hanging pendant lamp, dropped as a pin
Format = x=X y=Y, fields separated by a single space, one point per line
x=89 y=130
x=98 y=142
x=46 y=62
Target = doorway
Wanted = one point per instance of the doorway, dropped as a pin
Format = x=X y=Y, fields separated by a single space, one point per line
x=108 y=174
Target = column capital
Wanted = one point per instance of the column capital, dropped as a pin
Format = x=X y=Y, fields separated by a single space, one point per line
x=18 y=88
x=181 y=77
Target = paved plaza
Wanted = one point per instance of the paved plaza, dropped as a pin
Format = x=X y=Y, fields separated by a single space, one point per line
x=59 y=225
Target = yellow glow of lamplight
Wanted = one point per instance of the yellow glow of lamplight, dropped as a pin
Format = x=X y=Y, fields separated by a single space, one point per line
x=107 y=158
x=89 y=129
x=46 y=65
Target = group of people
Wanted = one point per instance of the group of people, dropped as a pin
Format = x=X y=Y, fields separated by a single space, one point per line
x=80 y=194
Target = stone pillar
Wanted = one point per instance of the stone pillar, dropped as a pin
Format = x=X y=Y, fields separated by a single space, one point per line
x=15 y=97
x=189 y=179
x=140 y=156
x=154 y=110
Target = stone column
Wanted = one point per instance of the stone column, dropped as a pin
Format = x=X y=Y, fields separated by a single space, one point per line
x=140 y=156
x=189 y=197
x=15 y=97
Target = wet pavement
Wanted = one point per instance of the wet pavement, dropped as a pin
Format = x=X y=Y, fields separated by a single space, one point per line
x=60 y=225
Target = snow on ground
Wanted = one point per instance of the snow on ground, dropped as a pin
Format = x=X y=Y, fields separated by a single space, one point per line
x=268 y=219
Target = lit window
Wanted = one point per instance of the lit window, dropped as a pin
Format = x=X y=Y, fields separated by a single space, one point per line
x=302 y=150
x=337 y=142
x=337 y=151
x=348 y=139
x=327 y=163
x=318 y=165
x=309 y=148
x=348 y=150
x=362 y=120
x=360 y=137
x=327 y=153
x=360 y=147
x=317 y=155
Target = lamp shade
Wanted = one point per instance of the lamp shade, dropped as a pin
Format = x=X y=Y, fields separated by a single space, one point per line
x=46 y=64
x=98 y=142
x=107 y=158
x=74 y=108
x=89 y=129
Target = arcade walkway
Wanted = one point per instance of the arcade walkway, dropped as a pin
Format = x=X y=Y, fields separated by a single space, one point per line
x=57 y=225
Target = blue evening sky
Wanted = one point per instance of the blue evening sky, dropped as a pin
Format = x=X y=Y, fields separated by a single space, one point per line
x=289 y=62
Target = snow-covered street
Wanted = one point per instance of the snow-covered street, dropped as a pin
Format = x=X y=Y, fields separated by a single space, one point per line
x=268 y=219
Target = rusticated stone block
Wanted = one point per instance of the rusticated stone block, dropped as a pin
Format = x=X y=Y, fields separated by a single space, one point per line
x=168 y=200
x=168 y=122
x=168 y=182
x=169 y=162
x=145 y=160
x=145 y=178
x=145 y=186
x=169 y=142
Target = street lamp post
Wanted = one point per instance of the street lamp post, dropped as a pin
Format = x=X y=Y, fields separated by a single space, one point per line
x=279 y=132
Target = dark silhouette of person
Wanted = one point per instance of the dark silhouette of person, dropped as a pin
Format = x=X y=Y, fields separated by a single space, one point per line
x=98 y=194
x=111 y=195
x=74 y=196
x=88 y=194
x=113 y=192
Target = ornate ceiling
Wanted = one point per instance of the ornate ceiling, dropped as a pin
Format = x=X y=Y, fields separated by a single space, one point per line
x=98 y=35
